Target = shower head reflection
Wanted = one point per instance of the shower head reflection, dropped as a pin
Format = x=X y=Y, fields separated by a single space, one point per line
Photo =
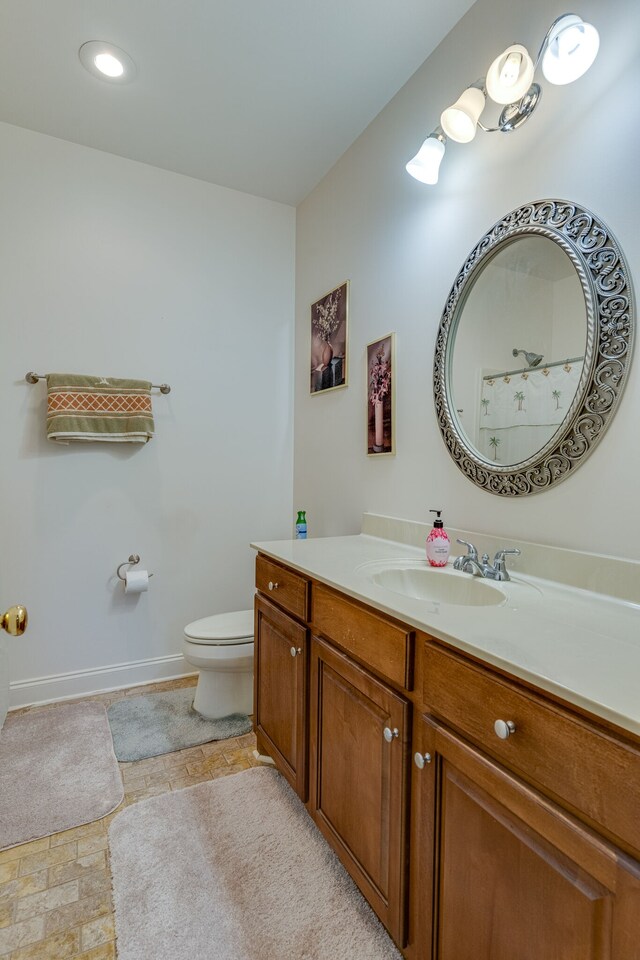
x=532 y=359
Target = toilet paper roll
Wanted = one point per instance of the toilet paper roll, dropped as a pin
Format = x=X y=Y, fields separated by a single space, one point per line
x=136 y=581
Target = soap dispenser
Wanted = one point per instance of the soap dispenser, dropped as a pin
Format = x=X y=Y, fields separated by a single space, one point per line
x=438 y=543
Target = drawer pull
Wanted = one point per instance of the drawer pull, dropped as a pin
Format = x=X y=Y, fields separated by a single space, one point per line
x=272 y=585
x=295 y=651
x=389 y=734
x=421 y=759
x=504 y=728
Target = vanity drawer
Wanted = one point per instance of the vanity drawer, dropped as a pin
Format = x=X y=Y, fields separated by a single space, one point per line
x=584 y=768
x=284 y=587
x=378 y=643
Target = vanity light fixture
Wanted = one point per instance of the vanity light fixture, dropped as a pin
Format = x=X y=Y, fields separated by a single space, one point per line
x=106 y=61
x=567 y=51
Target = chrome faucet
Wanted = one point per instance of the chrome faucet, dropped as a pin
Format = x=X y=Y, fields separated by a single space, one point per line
x=471 y=564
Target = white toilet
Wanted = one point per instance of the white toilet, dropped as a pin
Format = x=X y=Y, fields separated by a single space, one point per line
x=221 y=647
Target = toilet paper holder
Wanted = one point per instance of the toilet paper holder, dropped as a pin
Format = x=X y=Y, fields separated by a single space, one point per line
x=133 y=559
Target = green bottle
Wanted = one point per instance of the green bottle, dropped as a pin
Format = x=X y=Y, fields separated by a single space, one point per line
x=301 y=525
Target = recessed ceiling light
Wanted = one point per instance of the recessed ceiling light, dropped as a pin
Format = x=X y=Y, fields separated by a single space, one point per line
x=106 y=61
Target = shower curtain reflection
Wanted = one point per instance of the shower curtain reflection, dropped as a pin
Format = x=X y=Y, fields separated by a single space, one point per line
x=519 y=414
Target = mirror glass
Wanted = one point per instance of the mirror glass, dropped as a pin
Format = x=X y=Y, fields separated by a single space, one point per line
x=515 y=356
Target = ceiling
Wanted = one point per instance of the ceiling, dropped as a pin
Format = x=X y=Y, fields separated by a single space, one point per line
x=259 y=95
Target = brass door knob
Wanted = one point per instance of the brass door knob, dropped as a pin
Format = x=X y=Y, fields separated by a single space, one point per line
x=15 y=620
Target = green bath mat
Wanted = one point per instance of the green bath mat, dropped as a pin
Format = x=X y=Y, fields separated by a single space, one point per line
x=157 y=723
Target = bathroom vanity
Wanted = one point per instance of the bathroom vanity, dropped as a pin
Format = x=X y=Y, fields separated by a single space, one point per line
x=483 y=794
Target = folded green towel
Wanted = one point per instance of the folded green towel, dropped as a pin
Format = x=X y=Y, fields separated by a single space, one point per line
x=97 y=408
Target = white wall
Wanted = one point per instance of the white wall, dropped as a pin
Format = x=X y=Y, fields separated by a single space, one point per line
x=401 y=244
x=115 y=268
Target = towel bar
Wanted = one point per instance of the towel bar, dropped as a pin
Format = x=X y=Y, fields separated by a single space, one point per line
x=32 y=377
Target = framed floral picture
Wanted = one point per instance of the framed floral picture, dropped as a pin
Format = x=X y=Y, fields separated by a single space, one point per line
x=329 y=317
x=381 y=402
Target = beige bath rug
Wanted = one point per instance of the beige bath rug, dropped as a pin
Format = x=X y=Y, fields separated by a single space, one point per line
x=57 y=771
x=235 y=869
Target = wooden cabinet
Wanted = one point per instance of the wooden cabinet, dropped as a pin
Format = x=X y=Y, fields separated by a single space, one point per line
x=501 y=872
x=359 y=734
x=280 y=694
x=522 y=848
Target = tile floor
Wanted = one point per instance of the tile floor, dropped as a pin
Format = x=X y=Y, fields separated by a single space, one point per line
x=55 y=893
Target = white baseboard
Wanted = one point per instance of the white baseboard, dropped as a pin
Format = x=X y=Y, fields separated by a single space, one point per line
x=81 y=683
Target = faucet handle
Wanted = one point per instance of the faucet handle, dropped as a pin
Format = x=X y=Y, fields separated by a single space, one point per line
x=472 y=554
x=471 y=550
x=500 y=566
x=501 y=554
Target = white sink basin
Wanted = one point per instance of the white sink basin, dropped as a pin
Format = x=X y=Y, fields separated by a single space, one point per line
x=443 y=585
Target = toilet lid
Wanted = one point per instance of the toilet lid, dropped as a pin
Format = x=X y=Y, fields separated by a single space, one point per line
x=222 y=628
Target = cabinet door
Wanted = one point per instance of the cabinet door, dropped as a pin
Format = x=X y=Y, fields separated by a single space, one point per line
x=280 y=677
x=503 y=873
x=359 y=764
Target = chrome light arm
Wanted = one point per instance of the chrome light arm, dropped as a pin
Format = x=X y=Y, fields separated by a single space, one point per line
x=543 y=45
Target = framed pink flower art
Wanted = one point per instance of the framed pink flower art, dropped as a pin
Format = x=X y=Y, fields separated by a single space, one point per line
x=381 y=359
x=329 y=316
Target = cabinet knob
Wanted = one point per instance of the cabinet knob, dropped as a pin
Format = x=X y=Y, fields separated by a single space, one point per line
x=504 y=728
x=390 y=735
x=421 y=759
x=272 y=585
x=295 y=651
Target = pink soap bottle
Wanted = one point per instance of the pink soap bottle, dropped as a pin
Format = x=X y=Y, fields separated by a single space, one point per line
x=438 y=543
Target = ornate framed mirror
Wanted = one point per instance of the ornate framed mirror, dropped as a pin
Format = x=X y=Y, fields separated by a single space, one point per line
x=534 y=348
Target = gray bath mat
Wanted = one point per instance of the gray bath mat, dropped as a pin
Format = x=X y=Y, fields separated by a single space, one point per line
x=156 y=723
x=235 y=869
x=57 y=771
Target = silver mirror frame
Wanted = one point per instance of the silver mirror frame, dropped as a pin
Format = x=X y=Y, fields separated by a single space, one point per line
x=606 y=284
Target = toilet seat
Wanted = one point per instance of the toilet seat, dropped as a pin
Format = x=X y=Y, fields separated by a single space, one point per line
x=223 y=628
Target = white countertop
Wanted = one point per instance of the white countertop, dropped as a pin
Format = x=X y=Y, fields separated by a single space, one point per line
x=579 y=645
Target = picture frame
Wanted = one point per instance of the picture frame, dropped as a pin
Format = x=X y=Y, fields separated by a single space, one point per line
x=329 y=340
x=381 y=396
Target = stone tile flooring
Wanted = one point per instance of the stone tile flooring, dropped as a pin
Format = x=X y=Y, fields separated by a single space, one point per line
x=55 y=893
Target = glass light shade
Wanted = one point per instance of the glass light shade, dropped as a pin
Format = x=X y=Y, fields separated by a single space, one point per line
x=510 y=75
x=425 y=166
x=571 y=49
x=460 y=120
